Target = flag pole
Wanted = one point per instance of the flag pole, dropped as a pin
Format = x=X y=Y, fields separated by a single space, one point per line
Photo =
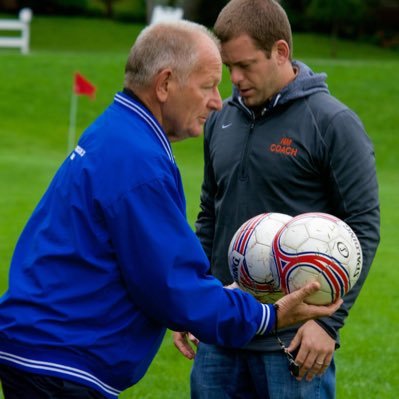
x=81 y=86
x=72 y=122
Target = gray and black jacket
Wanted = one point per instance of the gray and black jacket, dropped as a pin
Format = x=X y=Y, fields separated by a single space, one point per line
x=305 y=152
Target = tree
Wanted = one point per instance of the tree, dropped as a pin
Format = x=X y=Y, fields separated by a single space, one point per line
x=51 y=7
x=296 y=11
x=203 y=11
x=8 y=5
x=109 y=7
x=340 y=16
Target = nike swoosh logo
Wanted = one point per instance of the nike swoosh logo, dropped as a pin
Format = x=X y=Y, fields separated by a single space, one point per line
x=226 y=126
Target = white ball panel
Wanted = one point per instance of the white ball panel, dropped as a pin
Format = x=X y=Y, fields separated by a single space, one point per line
x=251 y=270
x=317 y=239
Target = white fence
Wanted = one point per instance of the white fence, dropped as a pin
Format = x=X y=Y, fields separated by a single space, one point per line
x=23 y=25
x=166 y=14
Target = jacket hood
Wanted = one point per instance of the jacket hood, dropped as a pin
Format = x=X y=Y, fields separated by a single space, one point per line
x=306 y=82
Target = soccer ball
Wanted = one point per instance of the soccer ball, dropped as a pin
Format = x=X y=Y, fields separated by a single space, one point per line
x=249 y=255
x=316 y=246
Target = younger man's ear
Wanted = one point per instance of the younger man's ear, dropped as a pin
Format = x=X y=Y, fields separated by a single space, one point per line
x=282 y=50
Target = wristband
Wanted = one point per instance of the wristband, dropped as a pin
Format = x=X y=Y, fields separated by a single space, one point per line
x=269 y=318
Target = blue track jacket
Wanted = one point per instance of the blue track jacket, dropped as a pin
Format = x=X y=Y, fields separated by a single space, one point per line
x=107 y=261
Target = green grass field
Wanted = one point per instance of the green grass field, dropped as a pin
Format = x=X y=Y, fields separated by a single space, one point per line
x=34 y=116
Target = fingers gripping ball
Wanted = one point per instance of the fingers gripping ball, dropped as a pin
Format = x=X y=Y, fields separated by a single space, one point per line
x=316 y=246
x=249 y=255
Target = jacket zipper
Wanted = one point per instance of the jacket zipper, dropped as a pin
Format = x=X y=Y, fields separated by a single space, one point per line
x=244 y=160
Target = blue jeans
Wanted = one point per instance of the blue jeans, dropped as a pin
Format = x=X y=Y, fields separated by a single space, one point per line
x=220 y=373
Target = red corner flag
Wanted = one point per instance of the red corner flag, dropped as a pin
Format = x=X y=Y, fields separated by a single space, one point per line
x=83 y=87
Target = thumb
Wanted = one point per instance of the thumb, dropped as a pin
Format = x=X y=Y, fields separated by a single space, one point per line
x=294 y=343
x=232 y=286
x=307 y=290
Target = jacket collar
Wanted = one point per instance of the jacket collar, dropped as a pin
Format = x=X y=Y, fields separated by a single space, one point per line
x=129 y=100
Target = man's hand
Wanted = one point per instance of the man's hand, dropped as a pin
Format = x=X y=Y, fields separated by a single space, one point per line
x=184 y=342
x=315 y=350
x=292 y=309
